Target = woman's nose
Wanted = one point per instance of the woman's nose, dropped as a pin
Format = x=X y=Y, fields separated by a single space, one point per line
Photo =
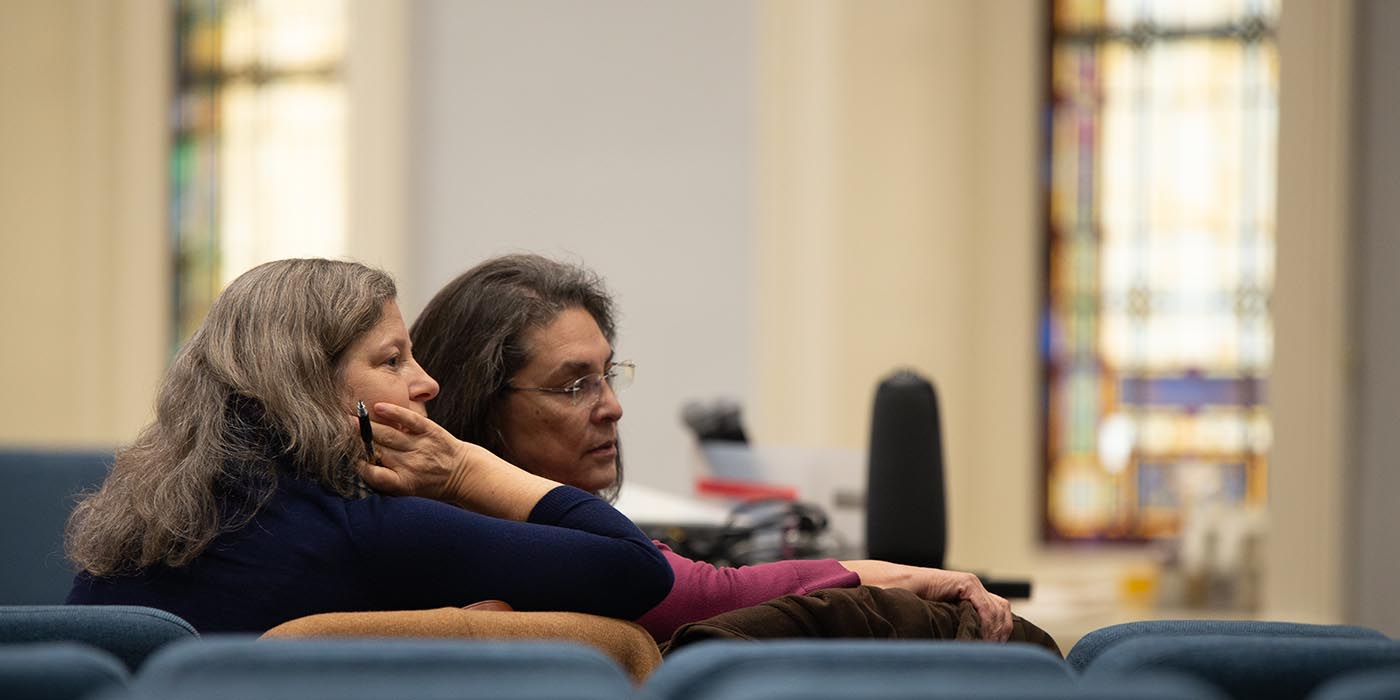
x=608 y=408
x=423 y=387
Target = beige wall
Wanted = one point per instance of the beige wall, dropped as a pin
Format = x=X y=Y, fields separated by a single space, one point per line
x=1374 y=558
x=82 y=197
x=863 y=207
x=378 y=85
x=1310 y=391
x=898 y=227
x=899 y=224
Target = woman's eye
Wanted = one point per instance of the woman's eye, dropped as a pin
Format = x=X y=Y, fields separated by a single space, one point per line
x=393 y=362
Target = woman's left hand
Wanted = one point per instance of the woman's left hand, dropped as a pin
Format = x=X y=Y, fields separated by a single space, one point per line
x=417 y=456
x=940 y=585
x=420 y=458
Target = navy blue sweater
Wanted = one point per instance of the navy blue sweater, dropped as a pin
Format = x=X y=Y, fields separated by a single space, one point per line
x=309 y=550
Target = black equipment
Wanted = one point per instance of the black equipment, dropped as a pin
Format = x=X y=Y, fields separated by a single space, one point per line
x=906 y=510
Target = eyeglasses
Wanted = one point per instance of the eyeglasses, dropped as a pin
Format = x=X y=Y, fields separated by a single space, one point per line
x=588 y=390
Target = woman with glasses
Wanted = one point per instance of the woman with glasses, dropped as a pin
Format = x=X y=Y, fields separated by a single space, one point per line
x=523 y=349
x=239 y=509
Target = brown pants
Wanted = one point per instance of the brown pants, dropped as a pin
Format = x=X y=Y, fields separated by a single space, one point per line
x=865 y=612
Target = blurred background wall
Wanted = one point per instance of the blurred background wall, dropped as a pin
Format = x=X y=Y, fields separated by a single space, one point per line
x=1375 y=478
x=83 y=93
x=789 y=198
x=616 y=134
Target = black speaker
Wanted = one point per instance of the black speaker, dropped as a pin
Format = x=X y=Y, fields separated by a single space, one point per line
x=906 y=516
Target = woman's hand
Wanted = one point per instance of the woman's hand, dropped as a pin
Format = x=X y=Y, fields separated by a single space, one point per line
x=940 y=585
x=418 y=457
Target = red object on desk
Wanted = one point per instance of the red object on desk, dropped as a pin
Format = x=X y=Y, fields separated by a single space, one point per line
x=743 y=490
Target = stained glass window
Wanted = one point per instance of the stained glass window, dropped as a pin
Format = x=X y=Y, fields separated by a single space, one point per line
x=1157 y=334
x=258 y=158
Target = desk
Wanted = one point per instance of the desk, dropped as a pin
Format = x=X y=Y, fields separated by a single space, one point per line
x=647 y=506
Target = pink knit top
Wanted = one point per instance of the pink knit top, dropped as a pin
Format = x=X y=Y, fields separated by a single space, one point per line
x=703 y=590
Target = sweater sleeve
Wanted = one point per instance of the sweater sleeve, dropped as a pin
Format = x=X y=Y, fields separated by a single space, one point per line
x=702 y=590
x=575 y=553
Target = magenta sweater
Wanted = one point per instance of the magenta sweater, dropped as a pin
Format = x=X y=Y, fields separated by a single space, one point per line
x=703 y=590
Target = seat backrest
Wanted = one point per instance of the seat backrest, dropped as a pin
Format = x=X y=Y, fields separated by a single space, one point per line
x=720 y=669
x=917 y=684
x=236 y=666
x=1094 y=643
x=34 y=507
x=57 y=671
x=1377 y=684
x=128 y=632
x=624 y=642
x=1248 y=667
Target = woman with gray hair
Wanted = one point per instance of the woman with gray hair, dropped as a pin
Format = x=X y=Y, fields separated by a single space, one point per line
x=241 y=506
x=523 y=347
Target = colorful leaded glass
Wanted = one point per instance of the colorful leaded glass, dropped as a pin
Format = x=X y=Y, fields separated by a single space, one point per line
x=1158 y=339
x=258 y=167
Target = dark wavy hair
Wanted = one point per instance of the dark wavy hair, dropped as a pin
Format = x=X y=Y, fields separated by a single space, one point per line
x=471 y=338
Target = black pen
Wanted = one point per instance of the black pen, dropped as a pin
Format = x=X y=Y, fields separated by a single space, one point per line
x=366 y=432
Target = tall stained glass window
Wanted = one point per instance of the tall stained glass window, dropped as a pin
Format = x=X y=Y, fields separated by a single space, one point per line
x=258 y=158
x=1157 y=332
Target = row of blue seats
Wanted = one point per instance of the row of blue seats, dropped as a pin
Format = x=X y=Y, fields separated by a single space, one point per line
x=1238 y=659
x=423 y=669
x=129 y=652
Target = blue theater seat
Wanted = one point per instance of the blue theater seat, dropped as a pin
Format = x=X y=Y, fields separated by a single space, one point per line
x=40 y=491
x=128 y=632
x=242 y=667
x=915 y=684
x=722 y=669
x=1378 y=684
x=1091 y=645
x=1248 y=667
x=57 y=671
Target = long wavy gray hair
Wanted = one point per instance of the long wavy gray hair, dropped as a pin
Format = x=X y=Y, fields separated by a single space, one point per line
x=257 y=384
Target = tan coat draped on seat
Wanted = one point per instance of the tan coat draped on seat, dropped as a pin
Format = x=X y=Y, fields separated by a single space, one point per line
x=626 y=642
